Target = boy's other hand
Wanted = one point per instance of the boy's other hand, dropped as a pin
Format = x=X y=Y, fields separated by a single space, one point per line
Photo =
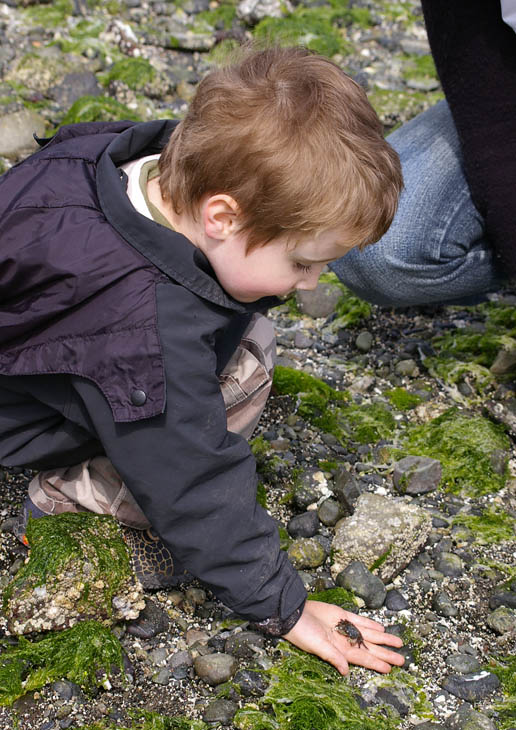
x=315 y=633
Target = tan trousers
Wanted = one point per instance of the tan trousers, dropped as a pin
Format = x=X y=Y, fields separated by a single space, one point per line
x=95 y=486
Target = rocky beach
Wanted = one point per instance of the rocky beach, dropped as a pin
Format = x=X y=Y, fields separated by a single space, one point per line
x=386 y=452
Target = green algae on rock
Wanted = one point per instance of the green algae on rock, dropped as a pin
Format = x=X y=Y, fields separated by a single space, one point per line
x=350 y=309
x=402 y=399
x=98 y=109
x=492 y=526
x=78 y=569
x=135 y=72
x=338 y=596
x=86 y=654
x=465 y=445
x=505 y=669
x=307 y=693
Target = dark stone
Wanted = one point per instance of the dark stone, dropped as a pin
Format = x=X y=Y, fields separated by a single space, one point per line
x=463 y=663
x=73 y=86
x=304 y=525
x=449 y=564
x=357 y=578
x=220 y=711
x=329 y=512
x=442 y=604
x=251 y=684
x=241 y=644
x=152 y=620
x=389 y=696
x=347 y=489
x=466 y=718
x=395 y=601
x=417 y=475
x=507 y=598
x=471 y=687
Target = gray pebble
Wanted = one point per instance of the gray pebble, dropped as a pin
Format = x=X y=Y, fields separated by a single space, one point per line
x=241 y=644
x=152 y=620
x=395 y=601
x=416 y=475
x=364 y=341
x=443 y=605
x=329 y=512
x=466 y=718
x=449 y=564
x=507 y=598
x=158 y=656
x=304 y=525
x=162 y=677
x=398 y=697
x=306 y=552
x=250 y=683
x=357 y=578
x=471 y=687
x=463 y=663
x=406 y=367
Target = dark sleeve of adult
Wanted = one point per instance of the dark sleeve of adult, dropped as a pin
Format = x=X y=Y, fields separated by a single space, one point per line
x=475 y=56
x=194 y=480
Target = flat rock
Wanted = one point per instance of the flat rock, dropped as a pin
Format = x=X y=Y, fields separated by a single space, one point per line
x=358 y=579
x=321 y=301
x=466 y=718
x=502 y=620
x=220 y=711
x=382 y=531
x=463 y=663
x=306 y=552
x=471 y=687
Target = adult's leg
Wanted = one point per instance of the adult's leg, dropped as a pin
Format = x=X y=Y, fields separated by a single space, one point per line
x=435 y=250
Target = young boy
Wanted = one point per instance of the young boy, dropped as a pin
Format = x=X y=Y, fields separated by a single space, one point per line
x=137 y=262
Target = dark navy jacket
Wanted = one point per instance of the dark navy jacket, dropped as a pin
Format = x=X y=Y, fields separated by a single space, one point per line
x=118 y=328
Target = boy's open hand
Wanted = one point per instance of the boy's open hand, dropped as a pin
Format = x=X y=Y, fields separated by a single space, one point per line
x=315 y=633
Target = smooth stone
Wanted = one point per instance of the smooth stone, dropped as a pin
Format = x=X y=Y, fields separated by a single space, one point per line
x=250 y=683
x=215 y=669
x=162 y=677
x=502 y=620
x=310 y=486
x=466 y=718
x=364 y=341
x=180 y=659
x=221 y=711
x=463 y=663
x=471 y=687
x=416 y=475
x=407 y=367
x=306 y=552
x=443 y=605
x=401 y=698
x=504 y=362
x=304 y=525
x=395 y=601
x=449 y=564
x=158 y=655
x=243 y=643
x=358 y=579
x=329 y=512
x=347 y=489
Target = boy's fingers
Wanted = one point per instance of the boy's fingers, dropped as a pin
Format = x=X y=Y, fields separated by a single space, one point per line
x=378 y=637
x=367 y=659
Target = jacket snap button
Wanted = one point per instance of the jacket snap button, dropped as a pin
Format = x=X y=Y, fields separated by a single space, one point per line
x=138 y=397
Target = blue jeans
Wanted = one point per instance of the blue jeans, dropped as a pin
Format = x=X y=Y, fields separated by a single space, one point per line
x=435 y=250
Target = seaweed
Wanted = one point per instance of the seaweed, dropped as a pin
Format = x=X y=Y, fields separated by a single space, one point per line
x=492 y=526
x=145 y=720
x=505 y=669
x=338 y=596
x=307 y=693
x=85 y=654
x=58 y=541
x=464 y=444
x=135 y=72
x=402 y=399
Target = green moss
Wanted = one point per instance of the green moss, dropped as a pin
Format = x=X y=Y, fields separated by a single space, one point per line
x=97 y=109
x=361 y=17
x=288 y=381
x=420 y=706
x=367 y=423
x=59 y=541
x=52 y=15
x=492 y=526
x=266 y=461
x=307 y=693
x=464 y=444
x=381 y=559
x=81 y=654
x=261 y=495
x=310 y=27
x=402 y=399
x=3 y=168
x=505 y=669
x=393 y=106
x=135 y=72
x=482 y=348
x=451 y=370
x=418 y=67
x=285 y=539
x=339 y=596
x=350 y=310
x=222 y=16
x=411 y=639
x=328 y=465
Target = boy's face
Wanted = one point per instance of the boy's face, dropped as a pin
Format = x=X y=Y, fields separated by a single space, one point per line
x=278 y=268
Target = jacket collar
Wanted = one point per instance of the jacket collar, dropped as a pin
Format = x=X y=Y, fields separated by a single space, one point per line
x=169 y=251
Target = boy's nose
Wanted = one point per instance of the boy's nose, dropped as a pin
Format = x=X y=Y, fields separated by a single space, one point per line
x=309 y=281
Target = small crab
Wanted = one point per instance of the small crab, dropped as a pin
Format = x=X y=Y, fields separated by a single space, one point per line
x=350 y=631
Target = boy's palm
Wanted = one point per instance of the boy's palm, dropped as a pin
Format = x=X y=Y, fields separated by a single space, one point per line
x=315 y=633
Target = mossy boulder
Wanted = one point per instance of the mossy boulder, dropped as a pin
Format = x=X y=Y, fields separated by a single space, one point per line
x=78 y=569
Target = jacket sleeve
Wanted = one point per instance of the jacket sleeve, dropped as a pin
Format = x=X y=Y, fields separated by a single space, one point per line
x=475 y=56
x=194 y=480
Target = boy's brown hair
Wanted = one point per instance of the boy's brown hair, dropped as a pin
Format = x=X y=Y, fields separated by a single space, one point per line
x=294 y=141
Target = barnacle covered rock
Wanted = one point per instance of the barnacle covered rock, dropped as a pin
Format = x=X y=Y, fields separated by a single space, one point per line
x=78 y=569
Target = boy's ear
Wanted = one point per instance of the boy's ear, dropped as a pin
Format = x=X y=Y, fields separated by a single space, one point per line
x=220 y=216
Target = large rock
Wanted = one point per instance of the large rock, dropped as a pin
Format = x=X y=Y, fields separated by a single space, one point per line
x=16 y=133
x=382 y=532
x=417 y=475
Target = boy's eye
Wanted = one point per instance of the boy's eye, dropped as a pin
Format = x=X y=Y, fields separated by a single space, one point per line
x=303 y=268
